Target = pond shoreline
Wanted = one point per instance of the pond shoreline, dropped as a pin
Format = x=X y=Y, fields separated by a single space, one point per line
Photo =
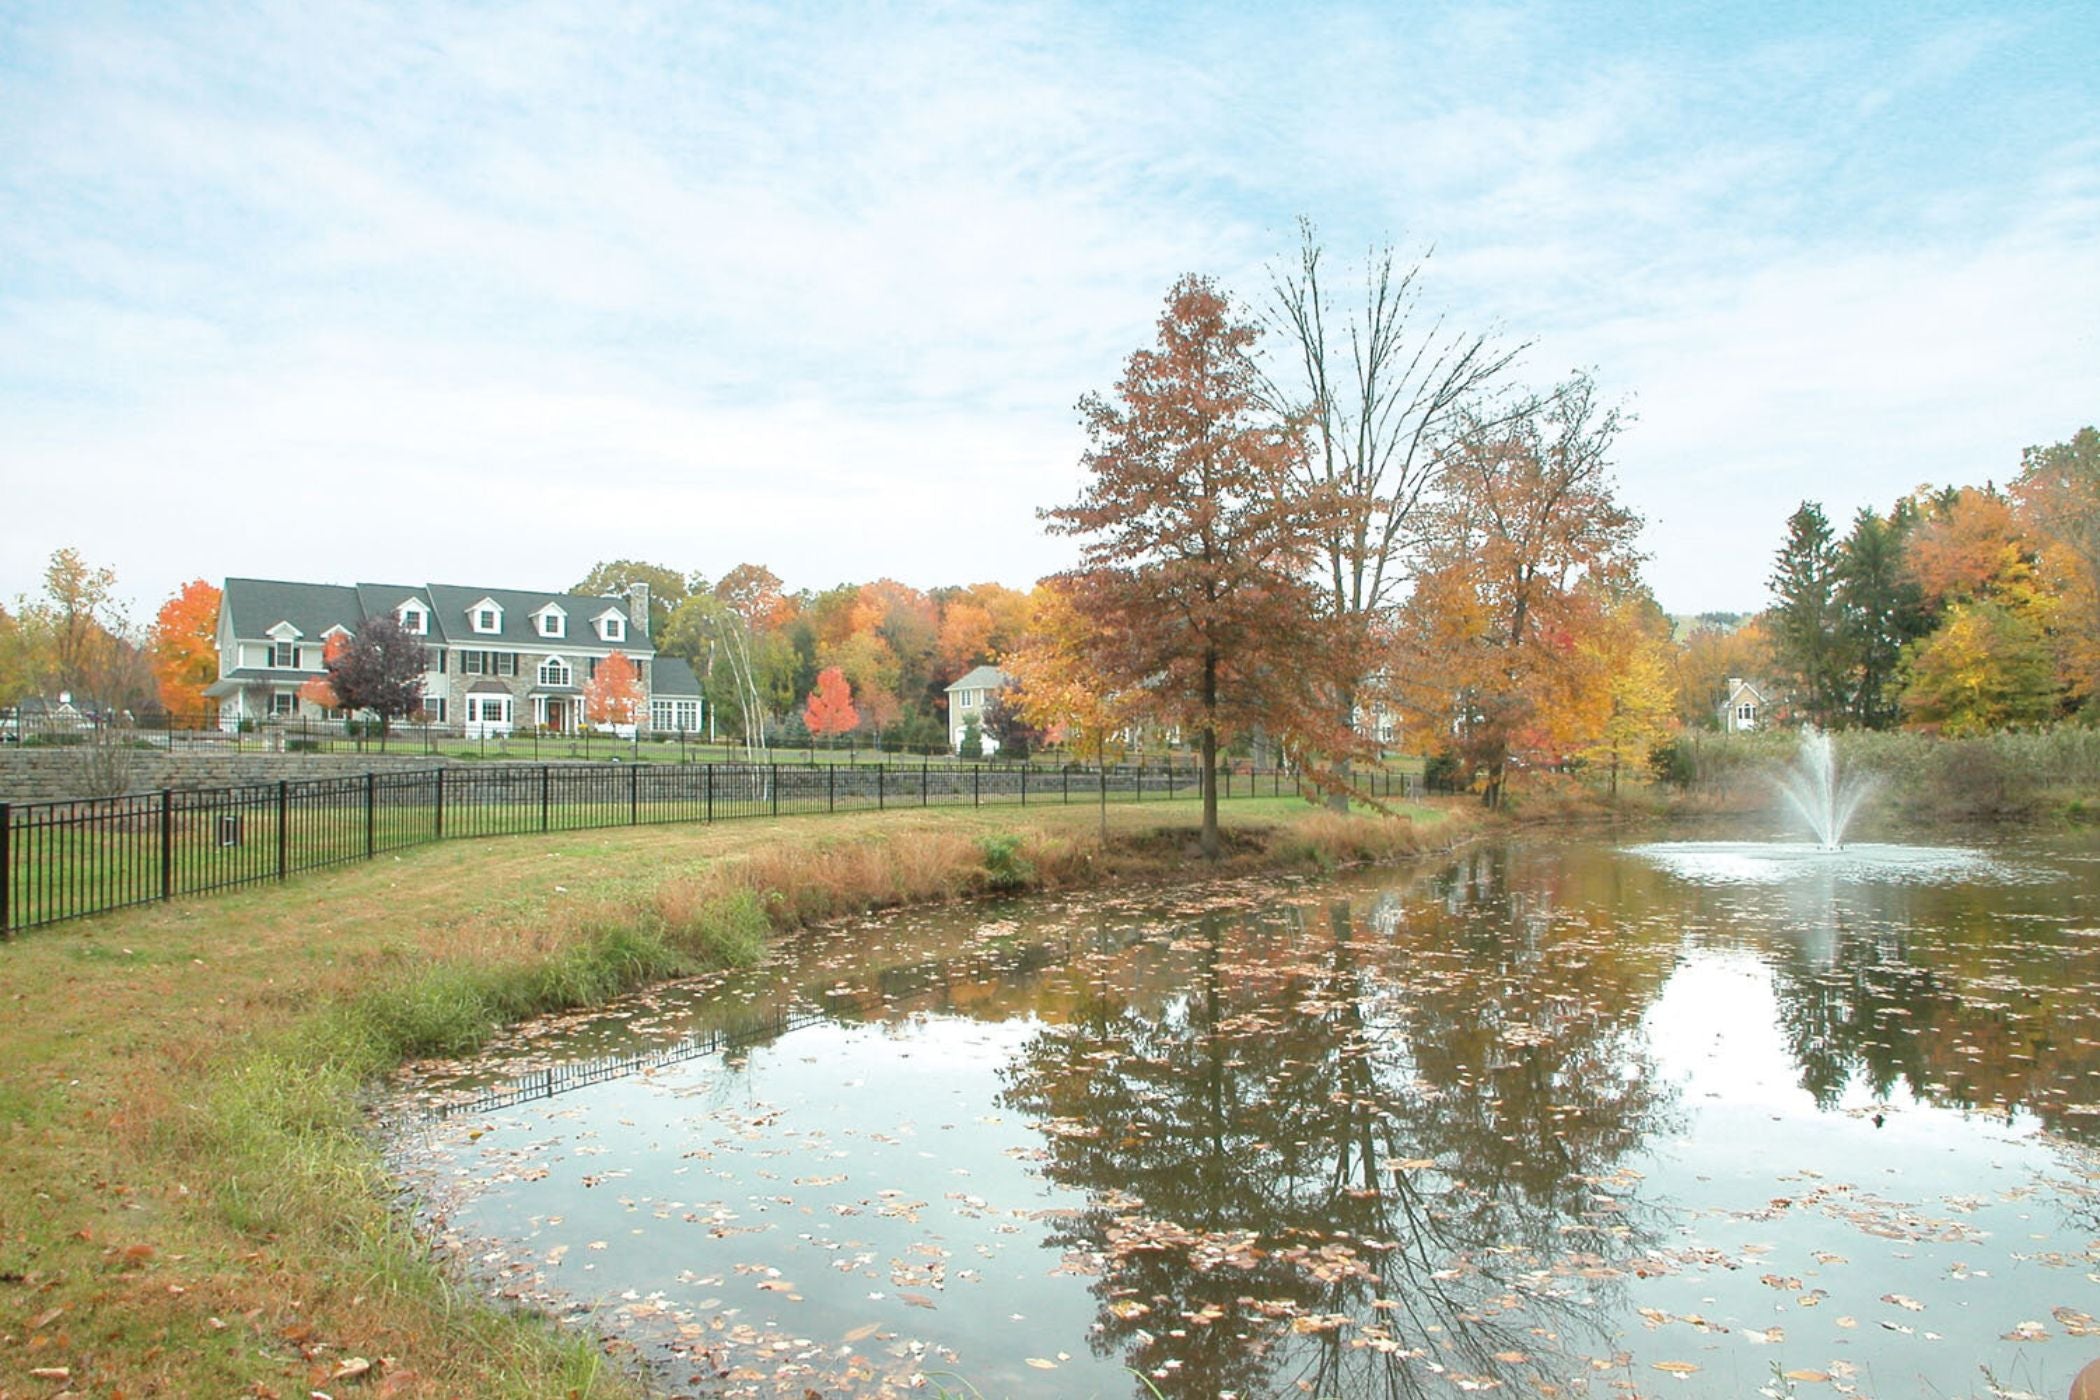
x=190 y=1198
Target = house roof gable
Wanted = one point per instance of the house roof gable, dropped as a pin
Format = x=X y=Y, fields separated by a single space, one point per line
x=981 y=678
x=255 y=605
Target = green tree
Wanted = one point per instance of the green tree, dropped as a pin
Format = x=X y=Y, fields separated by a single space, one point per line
x=1986 y=667
x=1881 y=610
x=667 y=587
x=1806 y=623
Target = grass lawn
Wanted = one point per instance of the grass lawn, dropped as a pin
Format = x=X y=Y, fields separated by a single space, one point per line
x=188 y=1202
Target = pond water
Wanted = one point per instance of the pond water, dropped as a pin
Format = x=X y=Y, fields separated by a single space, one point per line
x=1548 y=1117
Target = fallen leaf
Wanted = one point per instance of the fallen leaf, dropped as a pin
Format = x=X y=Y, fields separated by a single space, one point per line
x=351 y=1368
x=863 y=1332
x=1041 y=1364
x=1676 y=1368
x=917 y=1300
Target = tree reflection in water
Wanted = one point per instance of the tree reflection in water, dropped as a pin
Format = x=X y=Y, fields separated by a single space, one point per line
x=1373 y=1152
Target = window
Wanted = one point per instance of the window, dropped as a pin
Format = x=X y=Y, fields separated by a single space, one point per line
x=505 y=663
x=1744 y=712
x=968 y=700
x=471 y=662
x=612 y=628
x=555 y=671
x=488 y=709
x=434 y=709
x=683 y=716
x=434 y=659
x=485 y=620
x=283 y=702
x=414 y=620
x=553 y=624
x=284 y=654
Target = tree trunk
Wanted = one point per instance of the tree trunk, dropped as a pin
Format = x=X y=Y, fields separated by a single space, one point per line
x=1338 y=800
x=1209 y=840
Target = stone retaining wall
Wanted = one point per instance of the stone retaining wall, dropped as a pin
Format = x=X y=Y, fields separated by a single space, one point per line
x=58 y=775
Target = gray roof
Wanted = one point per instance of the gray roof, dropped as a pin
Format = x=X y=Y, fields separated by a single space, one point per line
x=981 y=678
x=672 y=679
x=452 y=602
x=258 y=604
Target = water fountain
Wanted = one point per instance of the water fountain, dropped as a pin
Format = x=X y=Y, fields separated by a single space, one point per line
x=1824 y=799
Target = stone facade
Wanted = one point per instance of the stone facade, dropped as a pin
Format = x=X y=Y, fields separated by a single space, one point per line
x=61 y=775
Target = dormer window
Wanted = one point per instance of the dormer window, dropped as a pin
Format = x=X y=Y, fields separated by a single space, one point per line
x=414 y=620
x=486 y=617
x=553 y=622
x=555 y=671
x=612 y=627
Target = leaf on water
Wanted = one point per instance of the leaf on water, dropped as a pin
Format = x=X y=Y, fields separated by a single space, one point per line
x=917 y=1300
x=863 y=1332
x=1676 y=1368
x=1042 y=1364
x=1814 y=1377
x=1902 y=1302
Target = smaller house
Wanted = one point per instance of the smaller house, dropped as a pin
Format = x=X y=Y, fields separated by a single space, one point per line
x=1744 y=709
x=967 y=698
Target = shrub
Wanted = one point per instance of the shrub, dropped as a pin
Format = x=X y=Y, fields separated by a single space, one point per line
x=1005 y=867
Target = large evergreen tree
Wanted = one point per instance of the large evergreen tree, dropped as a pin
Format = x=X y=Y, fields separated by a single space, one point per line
x=1880 y=610
x=1806 y=620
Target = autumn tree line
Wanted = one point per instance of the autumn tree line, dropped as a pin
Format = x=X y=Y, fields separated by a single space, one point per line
x=1304 y=517
x=1961 y=610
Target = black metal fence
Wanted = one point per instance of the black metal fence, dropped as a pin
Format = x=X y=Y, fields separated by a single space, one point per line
x=67 y=860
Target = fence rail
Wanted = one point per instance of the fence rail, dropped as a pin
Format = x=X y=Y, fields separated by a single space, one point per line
x=68 y=860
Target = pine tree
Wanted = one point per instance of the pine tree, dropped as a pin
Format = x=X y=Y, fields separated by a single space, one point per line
x=1806 y=622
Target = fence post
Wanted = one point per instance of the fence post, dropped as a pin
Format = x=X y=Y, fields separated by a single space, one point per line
x=7 y=868
x=831 y=787
x=1065 y=771
x=773 y=788
x=880 y=769
x=371 y=813
x=284 y=827
x=634 y=794
x=1024 y=785
x=1140 y=780
x=976 y=785
x=167 y=844
x=708 y=786
x=438 y=807
x=922 y=782
x=546 y=787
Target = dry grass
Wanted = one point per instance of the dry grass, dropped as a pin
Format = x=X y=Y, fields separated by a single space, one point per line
x=188 y=1202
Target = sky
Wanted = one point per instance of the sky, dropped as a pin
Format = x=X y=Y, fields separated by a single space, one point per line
x=484 y=295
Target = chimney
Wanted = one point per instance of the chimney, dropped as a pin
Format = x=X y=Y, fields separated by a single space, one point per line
x=1735 y=683
x=638 y=607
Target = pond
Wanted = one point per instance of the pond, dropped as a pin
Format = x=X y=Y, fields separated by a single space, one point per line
x=1552 y=1116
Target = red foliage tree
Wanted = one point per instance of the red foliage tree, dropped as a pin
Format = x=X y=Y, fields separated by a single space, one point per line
x=614 y=695
x=829 y=710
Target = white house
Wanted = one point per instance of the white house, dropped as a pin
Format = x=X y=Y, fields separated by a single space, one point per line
x=1744 y=709
x=967 y=698
x=497 y=659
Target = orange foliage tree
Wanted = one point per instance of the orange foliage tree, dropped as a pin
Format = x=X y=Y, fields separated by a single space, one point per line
x=1192 y=577
x=1529 y=547
x=321 y=690
x=614 y=695
x=185 y=647
x=829 y=711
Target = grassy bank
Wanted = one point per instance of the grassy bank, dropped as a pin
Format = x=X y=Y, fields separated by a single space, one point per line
x=188 y=1202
